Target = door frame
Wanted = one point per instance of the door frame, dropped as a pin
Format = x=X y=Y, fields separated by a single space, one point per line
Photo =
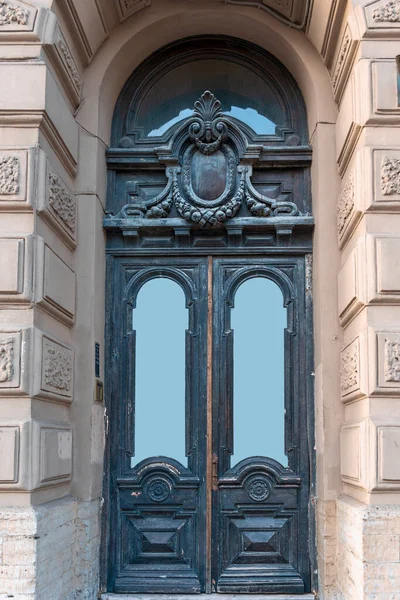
x=269 y=226
x=120 y=259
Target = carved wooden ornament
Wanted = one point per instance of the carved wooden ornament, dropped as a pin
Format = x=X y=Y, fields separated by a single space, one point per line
x=209 y=184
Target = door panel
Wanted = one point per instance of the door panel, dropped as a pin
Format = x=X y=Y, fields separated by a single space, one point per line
x=159 y=503
x=260 y=507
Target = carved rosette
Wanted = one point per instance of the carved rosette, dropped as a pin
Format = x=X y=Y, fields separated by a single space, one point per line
x=9 y=175
x=158 y=489
x=392 y=360
x=6 y=360
x=209 y=186
x=12 y=14
x=390 y=176
x=388 y=13
x=259 y=489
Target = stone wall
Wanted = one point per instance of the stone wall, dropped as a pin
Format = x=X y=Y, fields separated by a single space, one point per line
x=369 y=550
x=65 y=64
x=51 y=551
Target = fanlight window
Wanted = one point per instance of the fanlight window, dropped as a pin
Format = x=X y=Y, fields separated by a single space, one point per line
x=253 y=91
x=242 y=93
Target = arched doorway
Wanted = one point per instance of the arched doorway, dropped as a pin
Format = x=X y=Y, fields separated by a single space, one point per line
x=209 y=192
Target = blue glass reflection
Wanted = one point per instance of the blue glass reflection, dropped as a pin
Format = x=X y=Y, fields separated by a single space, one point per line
x=258 y=323
x=259 y=124
x=160 y=320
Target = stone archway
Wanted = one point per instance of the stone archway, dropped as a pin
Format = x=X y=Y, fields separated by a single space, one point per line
x=65 y=65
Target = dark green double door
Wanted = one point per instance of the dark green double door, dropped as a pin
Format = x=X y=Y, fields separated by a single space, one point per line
x=207 y=523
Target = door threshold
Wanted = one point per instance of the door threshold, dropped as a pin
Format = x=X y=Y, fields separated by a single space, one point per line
x=208 y=596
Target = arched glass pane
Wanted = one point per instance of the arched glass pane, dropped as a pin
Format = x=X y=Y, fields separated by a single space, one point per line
x=258 y=322
x=242 y=93
x=160 y=320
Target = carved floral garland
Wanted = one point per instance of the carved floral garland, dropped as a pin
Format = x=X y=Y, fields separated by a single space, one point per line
x=390 y=176
x=9 y=175
x=392 y=360
x=58 y=369
x=62 y=202
x=345 y=204
x=389 y=13
x=12 y=14
x=6 y=360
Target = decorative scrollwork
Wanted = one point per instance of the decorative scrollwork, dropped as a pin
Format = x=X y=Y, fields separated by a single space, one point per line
x=263 y=206
x=207 y=184
x=208 y=132
x=158 y=489
x=208 y=216
x=259 y=489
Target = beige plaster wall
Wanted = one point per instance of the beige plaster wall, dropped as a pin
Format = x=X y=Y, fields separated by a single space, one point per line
x=65 y=68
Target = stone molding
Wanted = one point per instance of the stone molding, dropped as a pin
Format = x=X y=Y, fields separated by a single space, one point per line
x=343 y=62
x=332 y=31
x=129 y=7
x=36 y=454
x=69 y=61
x=9 y=450
x=65 y=65
x=55 y=284
x=351 y=285
x=383 y=283
x=352 y=459
x=16 y=282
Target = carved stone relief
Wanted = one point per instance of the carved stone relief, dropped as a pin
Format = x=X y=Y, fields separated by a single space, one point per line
x=350 y=368
x=57 y=368
x=7 y=360
x=12 y=14
x=341 y=57
x=345 y=204
x=209 y=185
x=388 y=13
x=392 y=360
x=62 y=201
x=68 y=61
x=129 y=7
x=291 y=11
x=390 y=176
x=9 y=175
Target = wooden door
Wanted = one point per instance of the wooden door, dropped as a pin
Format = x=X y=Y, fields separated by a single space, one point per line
x=209 y=199
x=211 y=525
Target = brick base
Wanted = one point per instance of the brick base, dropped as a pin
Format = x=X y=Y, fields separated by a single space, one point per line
x=50 y=552
x=368 y=556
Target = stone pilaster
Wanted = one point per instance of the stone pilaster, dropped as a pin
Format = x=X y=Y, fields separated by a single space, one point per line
x=368 y=210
